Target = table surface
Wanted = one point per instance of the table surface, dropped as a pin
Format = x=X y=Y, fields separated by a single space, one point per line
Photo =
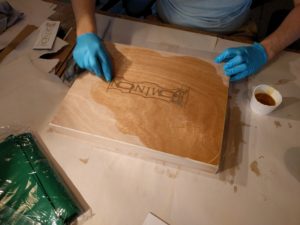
x=260 y=178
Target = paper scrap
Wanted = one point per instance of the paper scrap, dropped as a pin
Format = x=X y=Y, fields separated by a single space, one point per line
x=151 y=219
x=47 y=35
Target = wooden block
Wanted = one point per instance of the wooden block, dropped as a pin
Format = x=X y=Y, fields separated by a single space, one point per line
x=17 y=40
x=160 y=105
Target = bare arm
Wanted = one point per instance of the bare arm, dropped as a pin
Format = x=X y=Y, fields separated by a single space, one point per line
x=84 y=14
x=286 y=33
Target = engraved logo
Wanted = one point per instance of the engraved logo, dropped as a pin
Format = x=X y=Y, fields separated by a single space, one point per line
x=176 y=96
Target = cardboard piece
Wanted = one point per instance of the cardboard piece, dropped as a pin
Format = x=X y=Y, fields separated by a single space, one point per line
x=159 y=105
x=28 y=96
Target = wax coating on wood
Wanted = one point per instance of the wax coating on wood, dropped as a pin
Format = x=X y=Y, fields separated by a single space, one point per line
x=168 y=103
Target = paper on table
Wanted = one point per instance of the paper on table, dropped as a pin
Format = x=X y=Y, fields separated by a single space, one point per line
x=32 y=16
x=28 y=96
x=25 y=48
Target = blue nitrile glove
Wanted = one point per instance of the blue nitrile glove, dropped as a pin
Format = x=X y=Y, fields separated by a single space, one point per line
x=90 y=54
x=242 y=61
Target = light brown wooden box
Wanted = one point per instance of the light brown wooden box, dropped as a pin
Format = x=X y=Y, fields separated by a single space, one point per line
x=160 y=105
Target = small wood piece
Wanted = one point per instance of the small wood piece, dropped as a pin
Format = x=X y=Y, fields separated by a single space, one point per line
x=166 y=106
x=66 y=53
x=17 y=40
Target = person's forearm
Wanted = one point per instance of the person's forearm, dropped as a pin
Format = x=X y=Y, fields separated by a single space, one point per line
x=84 y=11
x=286 y=34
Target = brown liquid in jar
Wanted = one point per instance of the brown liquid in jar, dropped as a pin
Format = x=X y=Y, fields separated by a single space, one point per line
x=265 y=99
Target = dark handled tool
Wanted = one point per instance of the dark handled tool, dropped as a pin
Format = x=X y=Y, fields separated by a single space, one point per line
x=72 y=71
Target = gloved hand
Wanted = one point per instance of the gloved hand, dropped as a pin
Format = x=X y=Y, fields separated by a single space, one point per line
x=90 y=54
x=242 y=61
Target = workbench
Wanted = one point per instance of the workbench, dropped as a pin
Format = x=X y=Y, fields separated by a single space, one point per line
x=259 y=182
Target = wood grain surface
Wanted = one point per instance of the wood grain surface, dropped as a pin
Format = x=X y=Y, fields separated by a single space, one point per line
x=164 y=102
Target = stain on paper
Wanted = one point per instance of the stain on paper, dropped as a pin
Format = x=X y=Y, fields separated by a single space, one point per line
x=84 y=161
x=264 y=198
x=235 y=91
x=235 y=188
x=233 y=139
x=159 y=170
x=171 y=174
x=245 y=124
x=282 y=81
x=277 y=124
x=254 y=168
x=290 y=125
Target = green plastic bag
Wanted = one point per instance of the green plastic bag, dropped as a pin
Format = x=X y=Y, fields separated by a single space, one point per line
x=30 y=190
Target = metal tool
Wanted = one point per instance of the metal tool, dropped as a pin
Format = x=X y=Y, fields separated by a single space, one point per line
x=72 y=70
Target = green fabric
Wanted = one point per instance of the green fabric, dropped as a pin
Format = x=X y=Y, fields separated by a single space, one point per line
x=30 y=191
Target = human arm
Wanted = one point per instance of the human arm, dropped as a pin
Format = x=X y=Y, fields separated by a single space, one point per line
x=244 y=61
x=89 y=52
x=286 y=34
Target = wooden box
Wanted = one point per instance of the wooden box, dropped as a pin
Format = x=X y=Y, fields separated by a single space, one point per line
x=159 y=105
